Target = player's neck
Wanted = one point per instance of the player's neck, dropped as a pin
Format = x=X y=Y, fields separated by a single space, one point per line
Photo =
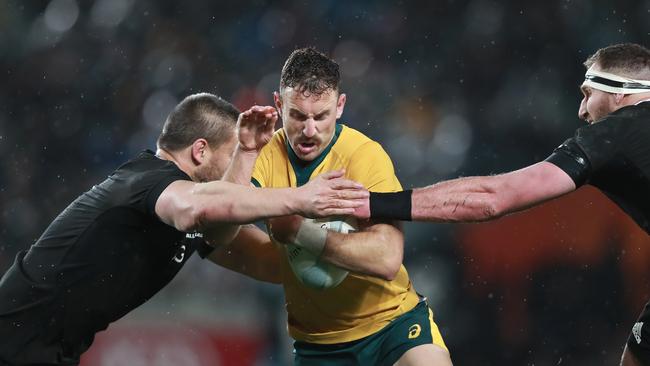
x=166 y=155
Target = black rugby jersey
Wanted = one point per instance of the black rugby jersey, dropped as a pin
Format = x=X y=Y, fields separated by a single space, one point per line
x=613 y=155
x=103 y=256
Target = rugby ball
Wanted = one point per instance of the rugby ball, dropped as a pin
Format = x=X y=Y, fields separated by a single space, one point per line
x=309 y=269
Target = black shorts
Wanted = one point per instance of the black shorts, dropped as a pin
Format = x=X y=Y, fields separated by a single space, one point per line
x=639 y=341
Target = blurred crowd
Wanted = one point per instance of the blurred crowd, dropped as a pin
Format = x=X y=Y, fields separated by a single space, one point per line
x=450 y=88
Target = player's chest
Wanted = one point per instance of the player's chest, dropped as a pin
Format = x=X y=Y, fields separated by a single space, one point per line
x=284 y=173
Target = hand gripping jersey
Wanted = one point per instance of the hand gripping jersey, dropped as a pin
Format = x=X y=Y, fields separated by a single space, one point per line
x=103 y=256
x=361 y=305
x=613 y=155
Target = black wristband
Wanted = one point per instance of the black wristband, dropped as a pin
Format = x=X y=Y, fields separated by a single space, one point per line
x=391 y=206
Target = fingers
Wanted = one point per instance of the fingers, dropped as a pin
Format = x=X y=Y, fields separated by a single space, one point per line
x=356 y=194
x=333 y=174
x=256 y=111
x=338 y=212
x=342 y=183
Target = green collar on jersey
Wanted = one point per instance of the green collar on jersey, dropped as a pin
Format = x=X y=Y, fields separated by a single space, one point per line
x=304 y=169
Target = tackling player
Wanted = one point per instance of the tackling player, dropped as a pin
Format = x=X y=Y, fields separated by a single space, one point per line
x=119 y=243
x=611 y=153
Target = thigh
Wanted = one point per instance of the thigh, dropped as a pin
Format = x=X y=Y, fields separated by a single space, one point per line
x=425 y=355
x=415 y=336
x=311 y=354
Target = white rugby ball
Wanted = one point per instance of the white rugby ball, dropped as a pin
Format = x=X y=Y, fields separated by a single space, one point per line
x=309 y=269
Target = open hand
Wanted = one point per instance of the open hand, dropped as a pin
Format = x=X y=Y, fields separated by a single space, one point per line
x=255 y=127
x=329 y=194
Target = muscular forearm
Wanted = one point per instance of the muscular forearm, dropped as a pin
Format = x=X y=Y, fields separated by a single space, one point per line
x=192 y=206
x=460 y=200
x=239 y=171
x=221 y=202
x=477 y=198
x=241 y=167
x=377 y=252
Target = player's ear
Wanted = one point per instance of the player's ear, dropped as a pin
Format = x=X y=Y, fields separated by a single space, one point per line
x=199 y=151
x=618 y=98
x=340 y=104
x=278 y=102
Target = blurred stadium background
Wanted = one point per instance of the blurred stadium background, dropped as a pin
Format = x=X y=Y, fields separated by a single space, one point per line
x=449 y=88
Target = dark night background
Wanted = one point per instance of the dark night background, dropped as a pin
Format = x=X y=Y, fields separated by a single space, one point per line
x=450 y=88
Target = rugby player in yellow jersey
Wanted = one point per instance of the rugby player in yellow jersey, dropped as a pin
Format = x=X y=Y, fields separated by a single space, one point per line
x=374 y=316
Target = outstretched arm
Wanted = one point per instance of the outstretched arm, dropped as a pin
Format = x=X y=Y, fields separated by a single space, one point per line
x=473 y=198
x=192 y=206
x=489 y=197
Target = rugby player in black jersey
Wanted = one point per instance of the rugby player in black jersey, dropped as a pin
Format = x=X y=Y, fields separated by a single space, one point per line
x=611 y=153
x=119 y=243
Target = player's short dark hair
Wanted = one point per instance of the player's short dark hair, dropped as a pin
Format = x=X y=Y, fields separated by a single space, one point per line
x=310 y=72
x=630 y=59
x=201 y=115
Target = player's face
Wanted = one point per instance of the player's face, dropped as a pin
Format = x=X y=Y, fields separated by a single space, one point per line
x=309 y=121
x=217 y=161
x=595 y=104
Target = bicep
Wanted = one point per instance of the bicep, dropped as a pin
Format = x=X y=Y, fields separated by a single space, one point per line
x=534 y=184
x=174 y=206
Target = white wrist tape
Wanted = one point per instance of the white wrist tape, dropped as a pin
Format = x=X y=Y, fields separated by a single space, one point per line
x=311 y=236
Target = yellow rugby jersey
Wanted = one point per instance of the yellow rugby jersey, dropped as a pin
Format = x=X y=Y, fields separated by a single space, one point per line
x=360 y=305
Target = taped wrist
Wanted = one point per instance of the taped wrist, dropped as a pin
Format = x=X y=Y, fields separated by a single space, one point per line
x=391 y=206
x=311 y=236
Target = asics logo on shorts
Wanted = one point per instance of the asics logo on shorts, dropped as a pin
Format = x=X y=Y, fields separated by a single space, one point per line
x=414 y=331
x=636 y=331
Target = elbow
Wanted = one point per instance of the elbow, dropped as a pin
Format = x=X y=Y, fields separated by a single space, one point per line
x=499 y=198
x=391 y=264
x=199 y=216
x=393 y=267
x=190 y=220
x=389 y=273
x=492 y=207
x=202 y=215
x=389 y=270
x=491 y=210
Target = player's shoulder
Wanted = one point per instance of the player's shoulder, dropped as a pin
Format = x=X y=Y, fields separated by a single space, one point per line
x=146 y=162
x=277 y=144
x=352 y=141
x=620 y=124
x=634 y=112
